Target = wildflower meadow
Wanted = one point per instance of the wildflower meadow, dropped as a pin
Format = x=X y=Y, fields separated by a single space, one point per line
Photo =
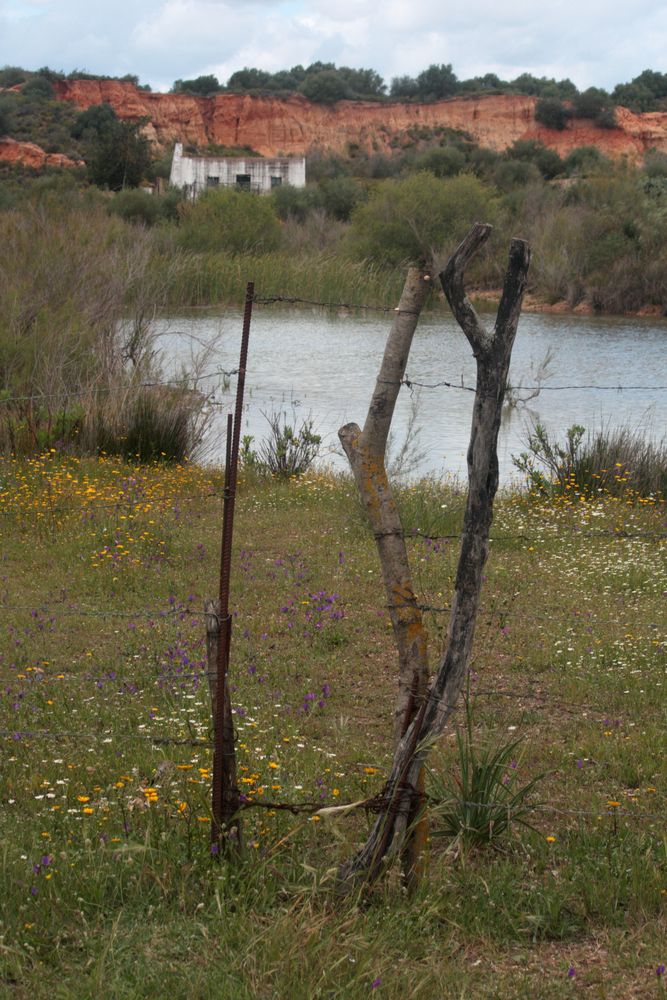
x=109 y=886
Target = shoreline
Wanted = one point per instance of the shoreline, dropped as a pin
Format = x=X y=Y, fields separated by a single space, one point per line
x=532 y=304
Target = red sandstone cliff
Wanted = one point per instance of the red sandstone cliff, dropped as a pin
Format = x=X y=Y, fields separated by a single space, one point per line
x=28 y=154
x=293 y=125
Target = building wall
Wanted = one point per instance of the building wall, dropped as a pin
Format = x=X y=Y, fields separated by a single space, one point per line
x=198 y=173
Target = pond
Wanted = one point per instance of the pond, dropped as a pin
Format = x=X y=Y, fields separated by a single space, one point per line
x=601 y=371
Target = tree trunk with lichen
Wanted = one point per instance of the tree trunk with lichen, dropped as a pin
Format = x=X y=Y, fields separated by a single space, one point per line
x=365 y=450
x=492 y=351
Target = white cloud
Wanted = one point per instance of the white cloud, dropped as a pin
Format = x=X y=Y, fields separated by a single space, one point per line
x=599 y=42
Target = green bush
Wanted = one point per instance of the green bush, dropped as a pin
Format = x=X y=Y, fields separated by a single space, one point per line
x=295 y=203
x=442 y=161
x=39 y=87
x=161 y=424
x=413 y=219
x=228 y=219
x=510 y=174
x=136 y=206
x=339 y=197
x=551 y=112
x=620 y=462
x=287 y=452
x=547 y=161
x=585 y=160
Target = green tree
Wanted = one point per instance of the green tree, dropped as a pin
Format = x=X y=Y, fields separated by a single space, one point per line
x=412 y=219
x=232 y=220
x=589 y=103
x=404 y=86
x=202 y=85
x=363 y=82
x=325 y=87
x=11 y=75
x=249 y=79
x=95 y=120
x=39 y=87
x=4 y=121
x=437 y=82
x=119 y=156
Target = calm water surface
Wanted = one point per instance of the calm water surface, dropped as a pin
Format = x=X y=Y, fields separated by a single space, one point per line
x=325 y=366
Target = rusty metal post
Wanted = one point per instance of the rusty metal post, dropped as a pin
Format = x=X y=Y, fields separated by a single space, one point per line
x=225 y=827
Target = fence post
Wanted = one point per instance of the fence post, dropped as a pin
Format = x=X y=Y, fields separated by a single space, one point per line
x=225 y=826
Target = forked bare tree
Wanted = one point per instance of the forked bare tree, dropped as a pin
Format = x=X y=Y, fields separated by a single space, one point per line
x=423 y=710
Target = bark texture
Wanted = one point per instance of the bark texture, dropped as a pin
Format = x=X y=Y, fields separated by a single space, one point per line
x=492 y=351
x=366 y=453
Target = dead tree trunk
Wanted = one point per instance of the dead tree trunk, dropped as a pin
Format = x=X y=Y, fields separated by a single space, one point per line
x=492 y=352
x=366 y=453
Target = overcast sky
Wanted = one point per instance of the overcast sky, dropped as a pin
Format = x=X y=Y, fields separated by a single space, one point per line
x=594 y=42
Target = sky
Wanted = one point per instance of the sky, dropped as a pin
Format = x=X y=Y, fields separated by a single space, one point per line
x=593 y=42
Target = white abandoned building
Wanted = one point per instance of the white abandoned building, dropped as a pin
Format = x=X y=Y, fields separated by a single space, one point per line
x=195 y=174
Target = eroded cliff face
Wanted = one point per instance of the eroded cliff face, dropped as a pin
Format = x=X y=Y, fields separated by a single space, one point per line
x=28 y=154
x=293 y=125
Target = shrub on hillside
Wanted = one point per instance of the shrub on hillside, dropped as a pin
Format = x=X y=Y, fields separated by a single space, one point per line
x=551 y=112
x=547 y=161
x=585 y=160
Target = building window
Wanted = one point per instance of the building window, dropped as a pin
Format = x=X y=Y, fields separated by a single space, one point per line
x=212 y=181
x=243 y=181
x=276 y=182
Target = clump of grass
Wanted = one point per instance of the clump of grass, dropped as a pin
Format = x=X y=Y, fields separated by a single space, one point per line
x=620 y=462
x=479 y=804
x=164 y=423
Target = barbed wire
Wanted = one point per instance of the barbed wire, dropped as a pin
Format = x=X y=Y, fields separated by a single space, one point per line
x=85 y=612
x=295 y=300
x=410 y=383
x=573 y=529
x=379 y=803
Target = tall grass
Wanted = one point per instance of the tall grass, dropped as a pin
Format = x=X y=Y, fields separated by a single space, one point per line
x=78 y=293
x=208 y=279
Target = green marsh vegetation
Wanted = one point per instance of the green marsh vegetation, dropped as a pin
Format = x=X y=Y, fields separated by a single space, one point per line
x=107 y=878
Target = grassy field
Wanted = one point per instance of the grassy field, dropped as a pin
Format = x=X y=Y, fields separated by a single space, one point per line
x=108 y=885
